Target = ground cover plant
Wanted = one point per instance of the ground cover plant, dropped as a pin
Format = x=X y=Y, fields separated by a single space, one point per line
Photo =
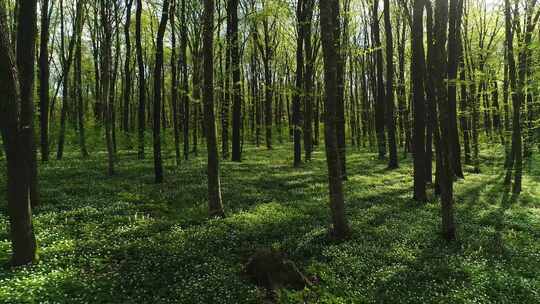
x=269 y=151
x=124 y=239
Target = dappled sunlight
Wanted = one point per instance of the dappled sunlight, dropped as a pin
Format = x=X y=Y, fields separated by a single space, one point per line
x=144 y=242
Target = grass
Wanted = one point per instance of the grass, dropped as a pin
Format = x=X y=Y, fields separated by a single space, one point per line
x=123 y=239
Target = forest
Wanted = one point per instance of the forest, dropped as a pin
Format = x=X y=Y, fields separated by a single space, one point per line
x=270 y=151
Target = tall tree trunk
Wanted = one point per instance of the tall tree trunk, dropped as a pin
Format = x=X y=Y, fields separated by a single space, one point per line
x=453 y=53
x=106 y=21
x=66 y=60
x=44 y=81
x=430 y=95
x=517 y=85
x=141 y=115
x=445 y=172
x=465 y=108
x=268 y=89
x=506 y=105
x=299 y=92
x=16 y=126
x=174 y=86
x=158 y=163
x=255 y=96
x=225 y=83
x=390 y=119
x=185 y=79
x=316 y=116
x=418 y=76
x=127 y=68
x=497 y=125
x=26 y=51
x=404 y=121
x=94 y=30
x=215 y=204
x=78 y=92
x=232 y=19
x=113 y=78
x=196 y=82
x=380 y=97
x=309 y=96
x=65 y=73
x=329 y=21
x=342 y=45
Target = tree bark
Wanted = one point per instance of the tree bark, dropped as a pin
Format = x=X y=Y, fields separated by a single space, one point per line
x=66 y=66
x=16 y=130
x=215 y=204
x=342 y=45
x=174 y=86
x=419 y=125
x=309 y=96
x=141 y=115
x=127 y=68
x=329 y=22
x=185 y=79
x=158 y=69
x=445 y=172
x=380 y=97
x=453 y=53
x=44 y=81
x=390 y=119
x=106 y=21
x=299 y=92
x=78 y=92
x=232 y=18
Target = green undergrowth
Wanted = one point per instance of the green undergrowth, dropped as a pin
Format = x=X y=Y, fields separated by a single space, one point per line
x=124 y=239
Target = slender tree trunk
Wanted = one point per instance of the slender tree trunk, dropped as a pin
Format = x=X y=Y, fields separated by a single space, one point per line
x=98 y=106
x=497 y=125
x=127 y=68
x=113 y=78
x=185 y=79
x=506 y=105
x=316 y=118
x=268 y=89
x=329 y=21
x=196 y=81
x=106 y=21
x=26 y=58
x=65 y=63
x=475 y=96
x=404 y=122
x=79 y=94
x=232 y=15
x=16 y=127
x=141 y=115
x=158 y=163
x=419 y=125
x=464 y=107
x=380 y=97
x=174 y=86
x=445 y=172
x=215 y=204
x=299 y=92
x=309 y=97
x=226 y=95
x=453 y=54
x=44 y=81
x=430 y=96
x=390 y=119
x=342 y=45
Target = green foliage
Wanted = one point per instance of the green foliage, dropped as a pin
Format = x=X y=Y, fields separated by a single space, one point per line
x=124 y=239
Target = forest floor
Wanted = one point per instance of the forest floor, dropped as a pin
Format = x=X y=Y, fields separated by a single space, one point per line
x=124 y=239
